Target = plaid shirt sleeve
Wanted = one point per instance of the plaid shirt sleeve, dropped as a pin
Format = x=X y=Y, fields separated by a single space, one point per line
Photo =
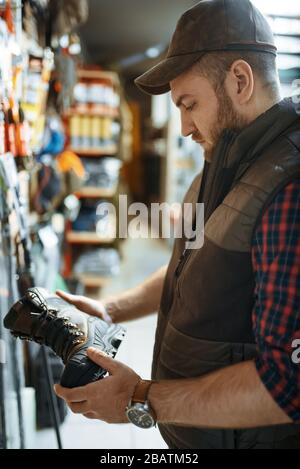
x=276 y=313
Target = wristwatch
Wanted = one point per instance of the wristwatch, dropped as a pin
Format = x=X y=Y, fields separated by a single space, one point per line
x=138 y=410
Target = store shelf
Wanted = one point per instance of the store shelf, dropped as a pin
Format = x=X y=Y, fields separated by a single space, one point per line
x=187 y=164
x=101 y=151
x=86 y=237
x=92 y=130
x=92 y=281
x=95 y=192
x=99 y=74
x=96 y=111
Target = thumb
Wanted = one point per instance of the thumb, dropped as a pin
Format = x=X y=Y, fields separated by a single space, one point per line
x=102 y=359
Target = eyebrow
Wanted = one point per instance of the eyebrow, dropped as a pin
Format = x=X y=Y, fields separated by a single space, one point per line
x=181 y=98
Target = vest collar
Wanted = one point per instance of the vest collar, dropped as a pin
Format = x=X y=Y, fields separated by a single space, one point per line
x=235 y=152
x=263 y=131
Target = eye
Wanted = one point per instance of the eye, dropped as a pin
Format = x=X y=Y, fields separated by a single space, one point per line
x=191 y=107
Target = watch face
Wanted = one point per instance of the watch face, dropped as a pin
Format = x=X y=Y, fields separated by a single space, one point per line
x=140 y=416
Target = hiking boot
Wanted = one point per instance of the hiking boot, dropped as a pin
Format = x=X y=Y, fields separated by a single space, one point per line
x=48 y=319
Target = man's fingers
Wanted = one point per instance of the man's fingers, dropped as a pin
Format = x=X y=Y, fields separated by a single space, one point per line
x=79 y=407
x=90 y=415
x=73 y=299
x=77 y=300
x=106 y=362
x=78 y=394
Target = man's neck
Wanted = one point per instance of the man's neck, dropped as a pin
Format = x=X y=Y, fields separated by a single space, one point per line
x=261 y=106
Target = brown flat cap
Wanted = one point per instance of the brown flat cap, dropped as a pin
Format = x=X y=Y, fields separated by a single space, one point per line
x=211 y=25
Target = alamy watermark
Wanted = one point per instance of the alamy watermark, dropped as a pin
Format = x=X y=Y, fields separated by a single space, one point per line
x=296 y=353
x=137 y=220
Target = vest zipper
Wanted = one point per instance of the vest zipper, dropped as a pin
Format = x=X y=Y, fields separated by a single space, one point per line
x=182 y=261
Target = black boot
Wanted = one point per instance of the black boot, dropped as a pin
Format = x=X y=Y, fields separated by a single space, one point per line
x=47 y=319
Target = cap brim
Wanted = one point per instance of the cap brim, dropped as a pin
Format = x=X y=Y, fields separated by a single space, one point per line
x=157 y=79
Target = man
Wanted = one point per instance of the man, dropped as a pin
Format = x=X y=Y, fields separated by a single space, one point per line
x=229 y=313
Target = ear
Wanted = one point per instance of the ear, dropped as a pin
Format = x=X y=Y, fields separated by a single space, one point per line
x=240 y=82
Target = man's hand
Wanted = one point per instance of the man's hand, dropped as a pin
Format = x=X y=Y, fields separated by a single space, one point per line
x=107 y=398
x=87 y=305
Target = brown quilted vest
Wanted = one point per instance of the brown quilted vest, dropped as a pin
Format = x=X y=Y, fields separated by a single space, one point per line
x=204 y=322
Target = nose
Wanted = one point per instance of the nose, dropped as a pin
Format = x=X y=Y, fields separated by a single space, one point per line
x=187 y=125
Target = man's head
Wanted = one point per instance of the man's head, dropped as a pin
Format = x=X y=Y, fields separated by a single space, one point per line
x=224 y=90
x=222 y=55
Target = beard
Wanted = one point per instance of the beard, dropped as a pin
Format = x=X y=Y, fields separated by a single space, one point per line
x=227 y=118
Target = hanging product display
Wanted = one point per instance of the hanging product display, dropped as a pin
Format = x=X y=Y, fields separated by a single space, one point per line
x=60 y=141
x=28 y=148
x=35 y=90
x=14 y=233
x=12 y=374
x=58 y=173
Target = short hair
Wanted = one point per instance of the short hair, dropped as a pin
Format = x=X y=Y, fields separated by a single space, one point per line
x=215 y=65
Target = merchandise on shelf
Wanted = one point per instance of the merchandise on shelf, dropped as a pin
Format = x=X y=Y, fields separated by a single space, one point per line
x=70 y=165
x=103 y=173
x=96 y=216
x=14 y=130
x=93 y=120
x=58 y=173
x=94 y=132
x=45 y=21
x=46 y=187
x=28 y=30
x=89 y=94
x=35 y=92
x=101 y=261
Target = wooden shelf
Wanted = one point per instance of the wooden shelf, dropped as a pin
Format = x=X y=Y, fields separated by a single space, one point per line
x=99 y=74
x=95 y=192
x=94 y=152
x=187 y=164
x=100 y=110
x=92 y=281
x=86 y=237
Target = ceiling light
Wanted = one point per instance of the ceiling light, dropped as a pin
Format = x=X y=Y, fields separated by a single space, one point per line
x=155 y=51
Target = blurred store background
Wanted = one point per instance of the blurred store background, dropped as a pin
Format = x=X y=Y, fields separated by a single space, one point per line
x=80 y=133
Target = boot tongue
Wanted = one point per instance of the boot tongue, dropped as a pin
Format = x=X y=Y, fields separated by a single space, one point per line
x=37 y=296
x=66 y=310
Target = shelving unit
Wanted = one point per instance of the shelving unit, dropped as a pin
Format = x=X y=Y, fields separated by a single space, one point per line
x=92 y=281
x=100 y=110
x=95 y=193
x=91 y=152
x=87 y=237
x=91 y=127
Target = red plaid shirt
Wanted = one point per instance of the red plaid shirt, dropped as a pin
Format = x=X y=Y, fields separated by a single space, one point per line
x=276 y=315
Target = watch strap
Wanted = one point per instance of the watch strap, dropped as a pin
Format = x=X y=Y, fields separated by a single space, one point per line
x=141 y=391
